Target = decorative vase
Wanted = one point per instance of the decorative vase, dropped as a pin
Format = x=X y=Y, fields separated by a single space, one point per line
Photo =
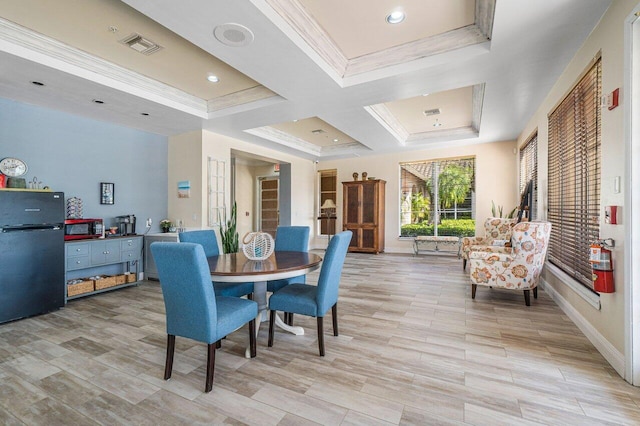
x=364 y=175
x=355 y=175
x=257 y=245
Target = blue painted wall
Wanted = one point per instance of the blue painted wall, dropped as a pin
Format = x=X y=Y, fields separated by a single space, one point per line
x=74 y=154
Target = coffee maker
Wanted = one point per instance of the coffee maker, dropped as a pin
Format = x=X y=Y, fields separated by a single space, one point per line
x=126 y=224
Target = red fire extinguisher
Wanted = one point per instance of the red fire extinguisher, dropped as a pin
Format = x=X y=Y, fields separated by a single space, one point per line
x=602 y=268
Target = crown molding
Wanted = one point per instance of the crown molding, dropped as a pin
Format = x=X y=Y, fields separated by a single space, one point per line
x=30 y=45
x=477 y=99
x=278 y=136
x=329 y=56
x=27 y=44
x=244 y=100
x=389 y=121
x=442 y=135
x=383 y=115
x=283 y=138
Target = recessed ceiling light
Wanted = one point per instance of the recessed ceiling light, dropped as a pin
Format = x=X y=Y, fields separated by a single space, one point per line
x=425 y=94
x=37 y=83
x=395 y=17
x=97 y=101
x=336 y=140
x=213 y=78
x=295 y=121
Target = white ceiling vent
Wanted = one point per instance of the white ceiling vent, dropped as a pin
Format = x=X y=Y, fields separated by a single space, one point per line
x=430 y=112
x=141 y=44
x=234 y=35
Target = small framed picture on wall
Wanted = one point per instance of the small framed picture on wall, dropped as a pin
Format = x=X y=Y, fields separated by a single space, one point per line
x=107 y=193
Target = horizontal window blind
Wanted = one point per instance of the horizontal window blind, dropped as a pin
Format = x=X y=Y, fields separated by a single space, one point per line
x=574 y=177
x=529 y=171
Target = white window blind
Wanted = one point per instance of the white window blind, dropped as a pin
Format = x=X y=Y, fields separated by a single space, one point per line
x=574 y=176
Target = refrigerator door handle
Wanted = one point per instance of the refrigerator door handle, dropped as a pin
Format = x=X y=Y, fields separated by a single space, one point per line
x=18 y=228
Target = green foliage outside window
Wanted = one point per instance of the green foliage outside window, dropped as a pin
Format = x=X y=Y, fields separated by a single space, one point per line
x=450 y=227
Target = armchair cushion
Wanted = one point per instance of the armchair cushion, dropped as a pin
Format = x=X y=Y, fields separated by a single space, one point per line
x=495 y=228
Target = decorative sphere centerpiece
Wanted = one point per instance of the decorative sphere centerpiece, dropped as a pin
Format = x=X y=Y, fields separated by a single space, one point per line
x=257 y=245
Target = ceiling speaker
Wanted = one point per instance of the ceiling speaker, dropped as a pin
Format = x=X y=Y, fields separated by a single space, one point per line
x=234 y=35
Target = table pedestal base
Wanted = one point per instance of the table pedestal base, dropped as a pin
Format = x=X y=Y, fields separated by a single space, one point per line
x=260 y=297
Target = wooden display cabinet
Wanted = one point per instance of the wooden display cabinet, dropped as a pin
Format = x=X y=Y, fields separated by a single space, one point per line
x=363 y=214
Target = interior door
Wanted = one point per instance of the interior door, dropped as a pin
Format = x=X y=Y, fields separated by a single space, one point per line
x=269 y=217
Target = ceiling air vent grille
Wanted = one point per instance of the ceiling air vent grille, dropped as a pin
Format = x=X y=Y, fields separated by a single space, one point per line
x=141 y=44
x=430 y=112
x=318 y=132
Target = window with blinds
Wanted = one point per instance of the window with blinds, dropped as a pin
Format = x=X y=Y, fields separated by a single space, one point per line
x=328 y=191
x=529 y=171
x=574 y=176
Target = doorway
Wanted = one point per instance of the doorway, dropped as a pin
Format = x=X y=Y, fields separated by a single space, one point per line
x=631 y=104
x=269 y=213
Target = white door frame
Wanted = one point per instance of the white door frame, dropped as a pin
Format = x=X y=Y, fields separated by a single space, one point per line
x=631 y=124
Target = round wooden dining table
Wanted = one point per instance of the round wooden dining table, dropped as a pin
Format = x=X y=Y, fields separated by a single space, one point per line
x=237 y=268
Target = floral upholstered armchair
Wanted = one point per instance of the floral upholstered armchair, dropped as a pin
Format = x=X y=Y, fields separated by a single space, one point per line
x=495 y=228
x=519 y=270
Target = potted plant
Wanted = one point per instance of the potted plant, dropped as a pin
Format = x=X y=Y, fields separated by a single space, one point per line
x=228 y=232
x=166 y=225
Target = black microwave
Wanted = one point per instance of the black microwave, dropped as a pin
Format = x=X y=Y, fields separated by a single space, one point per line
x=79 y=229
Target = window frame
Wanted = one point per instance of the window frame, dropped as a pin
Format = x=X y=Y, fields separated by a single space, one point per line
x=439 y=164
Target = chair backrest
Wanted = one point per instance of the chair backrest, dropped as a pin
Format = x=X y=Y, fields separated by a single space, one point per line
x=206 y=238
x=498 y=228
x=292 y=238
x=189 y=299
x=530 y=241
x=329 y=279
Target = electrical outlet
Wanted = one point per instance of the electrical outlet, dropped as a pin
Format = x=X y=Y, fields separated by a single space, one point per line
x=149 y=222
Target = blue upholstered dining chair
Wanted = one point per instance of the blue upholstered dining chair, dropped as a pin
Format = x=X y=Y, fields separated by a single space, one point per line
x=290 y=238
x=314 y=300
x=207 y=239
x=192 y=308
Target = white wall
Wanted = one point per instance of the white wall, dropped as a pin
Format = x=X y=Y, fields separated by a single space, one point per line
x=496 y=179
x=608 y=37
x=188 y=156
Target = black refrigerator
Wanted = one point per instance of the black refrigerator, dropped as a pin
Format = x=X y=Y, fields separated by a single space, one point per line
x=31 y=253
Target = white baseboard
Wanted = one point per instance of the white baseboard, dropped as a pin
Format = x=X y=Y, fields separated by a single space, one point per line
x=606 y=349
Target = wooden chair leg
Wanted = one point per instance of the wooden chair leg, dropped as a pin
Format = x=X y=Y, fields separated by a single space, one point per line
x=252 y=337
x=535 y=292
x=474 y=287
x=272 y=320
x=290 y=318
x=464 y=264
x=320 y=336
x=171 y=346
x=219 y=344
x=250 y=296
x=211 y=362
x=527 y=298
x=334 y=314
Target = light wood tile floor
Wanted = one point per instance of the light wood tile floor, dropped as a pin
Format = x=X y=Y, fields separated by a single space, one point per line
x=413 y=349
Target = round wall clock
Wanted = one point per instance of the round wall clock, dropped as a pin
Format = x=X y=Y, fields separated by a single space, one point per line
x=13 y=167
